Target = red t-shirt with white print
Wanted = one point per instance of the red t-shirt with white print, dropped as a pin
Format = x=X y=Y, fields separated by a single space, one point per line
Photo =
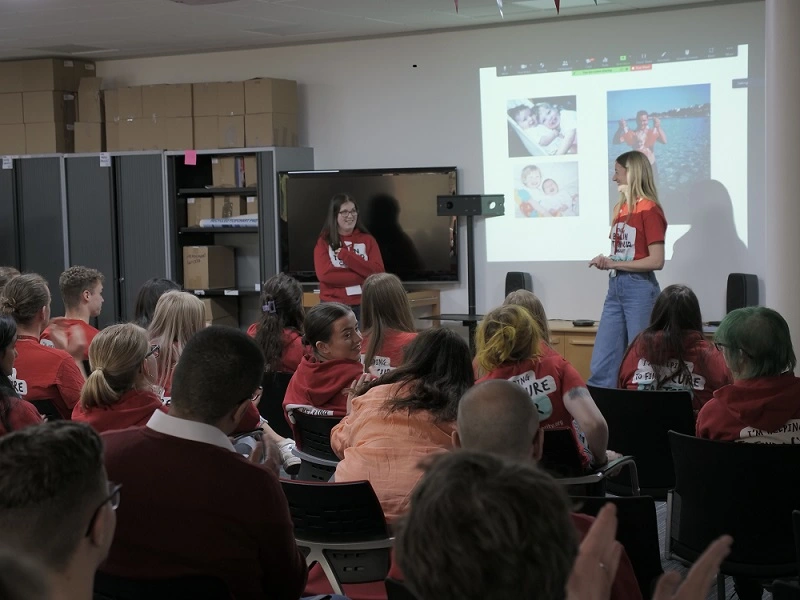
x=631 y=235
x=340 y=279
x=390 y=354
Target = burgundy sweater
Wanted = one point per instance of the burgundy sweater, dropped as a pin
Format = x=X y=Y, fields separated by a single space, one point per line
x=191 y=508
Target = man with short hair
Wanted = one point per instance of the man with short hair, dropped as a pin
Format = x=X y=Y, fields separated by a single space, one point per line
x=193 y=505
x=56 y=503
x=82 y=292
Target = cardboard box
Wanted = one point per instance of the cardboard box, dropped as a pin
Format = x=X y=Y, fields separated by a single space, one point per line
x=49 y=138
x=112 y=136
x=252 y=205
x=250 y=171
x=134 y=133
x=11 y=108
x=129 y=103
x=224 y=99
x=48 y=107
x=54 y=74
x=10 y=78
x=166 y=100
x=177 y=133
x=89 y=137
x=229 y=206
x=221 y=311
x=90 y=101
x=227 y=171
x=206 y=131
x=12 y=139
x=111 y=104
x=270 y=129
x=198 y=209
x=266 y=95
x=218 y=132
x=208 y=267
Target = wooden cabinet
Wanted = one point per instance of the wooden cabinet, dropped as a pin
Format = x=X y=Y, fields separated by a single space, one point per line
x=574 y=343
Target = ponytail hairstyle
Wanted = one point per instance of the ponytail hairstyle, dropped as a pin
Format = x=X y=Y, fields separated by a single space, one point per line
x=319 y=322
x=641 y=183
x=281 y=308
x=178 y=316
x=23 y=297
x=508 y=334
x=530 y=302
x=116 y=355
x=384 y=305
x=330 y=231
x=8 y=334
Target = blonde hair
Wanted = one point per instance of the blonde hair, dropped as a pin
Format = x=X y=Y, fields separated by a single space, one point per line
x=178 y=316
x=641 y=183
x=116 y=355
x=530 y=302
x=384 y=305
x=509 y=333
x=23 y=297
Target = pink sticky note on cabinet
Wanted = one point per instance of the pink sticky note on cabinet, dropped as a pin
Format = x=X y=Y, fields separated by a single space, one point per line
x=190 y=157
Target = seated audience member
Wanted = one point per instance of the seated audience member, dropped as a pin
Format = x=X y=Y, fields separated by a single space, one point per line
x=498 y=417
x=530 y=302
x=508 y=345
x=761 y=405
x=41 y=372
x=82 y=292
x=279 y=332
x=21 y=578
x=388 y=323
x=6 y=275
x=14 y=413
x=147 y=298
x=119 y=391
x=320 y=384
x=56 y=503
x=672 y=353
x=192 y=505
x=403 y=417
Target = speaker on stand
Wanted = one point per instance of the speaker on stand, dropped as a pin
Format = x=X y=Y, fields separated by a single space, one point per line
x=517 y=280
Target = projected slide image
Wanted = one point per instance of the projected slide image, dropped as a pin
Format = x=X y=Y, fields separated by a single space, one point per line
x=547 y=189
x=545 y=126
x=671 y=126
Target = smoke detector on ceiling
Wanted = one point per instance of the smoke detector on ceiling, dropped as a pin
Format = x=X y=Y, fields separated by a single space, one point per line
x=201 y=2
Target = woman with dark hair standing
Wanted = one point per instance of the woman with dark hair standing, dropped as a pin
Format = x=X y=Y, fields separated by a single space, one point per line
x=388 y=323
x=404 y=416
x=672 y=354
x=14 y=413
x=345 y=254
x=279 y=331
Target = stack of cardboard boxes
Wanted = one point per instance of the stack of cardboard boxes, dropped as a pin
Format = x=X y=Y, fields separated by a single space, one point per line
x=150 y=117
x=89 y=134
x=38 y=105
x=270 y=112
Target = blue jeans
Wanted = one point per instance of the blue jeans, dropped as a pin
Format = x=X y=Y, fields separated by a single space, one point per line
x=626 y=312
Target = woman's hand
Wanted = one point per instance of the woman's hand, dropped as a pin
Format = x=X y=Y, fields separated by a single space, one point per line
x=700 y=577
x=601 y=262
x=598 y=558
x=355 y=386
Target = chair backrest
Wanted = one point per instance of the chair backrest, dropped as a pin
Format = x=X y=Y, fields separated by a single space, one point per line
x=314 y=434
x=784 y=590
x=274 y=386
x=48 y=409
x=638 y=422
x=796 y=523
x=397 y=590
x=196 y=587
x=335 y=512
x=637 y=531
x=561 y=457
x=742 y=489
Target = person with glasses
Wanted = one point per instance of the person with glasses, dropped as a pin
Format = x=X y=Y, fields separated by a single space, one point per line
x=345 y=254
x=56 y=503
x=672 y=352
x=120 y=390
x=192 y=504
x=761 y=405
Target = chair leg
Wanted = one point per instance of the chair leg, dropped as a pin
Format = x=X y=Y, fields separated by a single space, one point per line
x=720 y=586
x=326 y=568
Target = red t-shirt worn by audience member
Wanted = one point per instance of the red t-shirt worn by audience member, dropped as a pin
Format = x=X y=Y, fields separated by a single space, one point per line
x=44 y=373
x=630 y=237
x=88 y=331
x=133 y=409
x=359 y=258
x=390 y=354
x=21 y=414
x=293 y=348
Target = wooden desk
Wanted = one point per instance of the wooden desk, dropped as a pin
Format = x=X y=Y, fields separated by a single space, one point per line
x=417 y=298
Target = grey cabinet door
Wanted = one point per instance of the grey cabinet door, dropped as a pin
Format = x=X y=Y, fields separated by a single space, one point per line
x=9 y=242
x=92 y=226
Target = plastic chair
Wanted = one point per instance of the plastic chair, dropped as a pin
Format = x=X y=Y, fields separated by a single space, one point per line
x=742 y=489
x=637 y=531
x=48 y=409
x=340 y=526
x=314 y=446
x=562 y=460
x=638 y=422
x=196 y=587
x=397 y=590
x=274 y=386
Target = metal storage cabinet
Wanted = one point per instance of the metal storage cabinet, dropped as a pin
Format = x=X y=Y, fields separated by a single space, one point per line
x=9 y=242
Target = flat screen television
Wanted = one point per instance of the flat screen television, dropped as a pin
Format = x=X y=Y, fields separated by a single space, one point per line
x=397 y=206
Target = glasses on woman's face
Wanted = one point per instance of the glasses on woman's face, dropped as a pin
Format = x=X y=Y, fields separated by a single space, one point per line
x=348 y=213
x=155 y=349
x=719 y=346
x=112 y=499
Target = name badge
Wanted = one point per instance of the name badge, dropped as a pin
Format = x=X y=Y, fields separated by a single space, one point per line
x=353 y=290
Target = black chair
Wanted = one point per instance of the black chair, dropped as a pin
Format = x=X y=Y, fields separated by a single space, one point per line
x=196 y=587
x=314 y=446
x=742 y=489
x=783 y=590
x=397 y=590
x=796 y=523
x=638 y=422
x=562 y=460
x=340 y=526
x=637 y=531
x=274 y=386
x=47 y=409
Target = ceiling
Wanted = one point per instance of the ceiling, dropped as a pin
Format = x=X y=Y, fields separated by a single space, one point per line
x=109 y=29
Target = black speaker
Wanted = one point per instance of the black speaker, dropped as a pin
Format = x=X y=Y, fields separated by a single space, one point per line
x=475 y=205
x=517 y=280
x=742 y=291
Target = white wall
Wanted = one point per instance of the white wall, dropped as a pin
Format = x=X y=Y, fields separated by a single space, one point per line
x=363 y=105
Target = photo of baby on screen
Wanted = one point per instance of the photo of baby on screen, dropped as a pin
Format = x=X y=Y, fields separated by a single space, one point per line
x=546 y=190
x=544 y=126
